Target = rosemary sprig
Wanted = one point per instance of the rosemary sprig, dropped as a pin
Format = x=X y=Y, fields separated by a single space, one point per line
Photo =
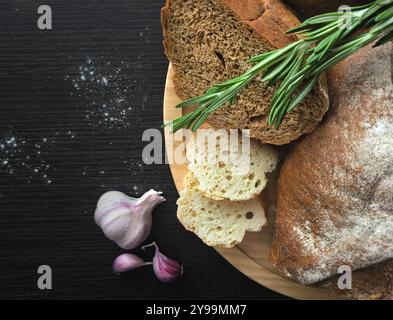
x=327 y=39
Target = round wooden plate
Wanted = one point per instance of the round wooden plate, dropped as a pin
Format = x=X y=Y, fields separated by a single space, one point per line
x=251 y=256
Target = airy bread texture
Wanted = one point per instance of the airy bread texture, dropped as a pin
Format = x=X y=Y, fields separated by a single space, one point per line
x=241 y=178
x=335 y=194
x=218 y=223
x=209 y=41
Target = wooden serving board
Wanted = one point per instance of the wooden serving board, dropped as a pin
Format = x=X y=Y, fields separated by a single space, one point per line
x=251 y=256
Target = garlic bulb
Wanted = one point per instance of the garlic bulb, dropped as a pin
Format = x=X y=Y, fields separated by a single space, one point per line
x=126 y=220
x=127 y=262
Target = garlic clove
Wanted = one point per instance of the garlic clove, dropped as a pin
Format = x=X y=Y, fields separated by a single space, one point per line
x=126 y=220
x=127 y=262
x=167 y=270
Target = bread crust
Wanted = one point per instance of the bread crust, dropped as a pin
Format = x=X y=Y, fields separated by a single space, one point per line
x=269 y=19
x=335 y=195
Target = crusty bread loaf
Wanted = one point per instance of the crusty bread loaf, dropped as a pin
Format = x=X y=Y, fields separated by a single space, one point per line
x=221 y=178
x=218 y=223
x=335 y=194
x=371 y=283
x=308 y=8
x=207 y=42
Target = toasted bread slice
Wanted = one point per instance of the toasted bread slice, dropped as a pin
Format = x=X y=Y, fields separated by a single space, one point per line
x=218 y=223
x=222 y=177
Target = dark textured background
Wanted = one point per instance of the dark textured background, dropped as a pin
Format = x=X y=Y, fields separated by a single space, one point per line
x=43 y=97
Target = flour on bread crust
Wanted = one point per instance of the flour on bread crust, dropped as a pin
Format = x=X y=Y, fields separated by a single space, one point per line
x=335 y=200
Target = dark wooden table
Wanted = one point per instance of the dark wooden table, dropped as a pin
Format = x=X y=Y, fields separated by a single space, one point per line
x=74 y=102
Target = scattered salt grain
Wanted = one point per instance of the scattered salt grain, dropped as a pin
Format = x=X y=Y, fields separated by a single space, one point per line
x=27 y=156
x=105 y=90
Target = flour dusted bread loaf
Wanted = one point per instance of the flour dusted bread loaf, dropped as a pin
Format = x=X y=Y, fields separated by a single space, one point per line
x=218 y=223
x=335 y=194
x=209 y=41
x=220 y=176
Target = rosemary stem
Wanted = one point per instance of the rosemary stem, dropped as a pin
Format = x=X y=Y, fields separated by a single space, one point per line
x=297 y=67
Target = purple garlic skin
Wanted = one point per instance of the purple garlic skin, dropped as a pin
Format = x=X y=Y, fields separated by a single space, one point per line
x=167 y=270
x=126 y=220
x=127 y=262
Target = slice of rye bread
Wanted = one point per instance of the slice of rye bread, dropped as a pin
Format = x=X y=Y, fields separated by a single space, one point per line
x=209 y=41
x=218 y=223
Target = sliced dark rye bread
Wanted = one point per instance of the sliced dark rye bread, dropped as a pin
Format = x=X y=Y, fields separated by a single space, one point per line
x=209 y=41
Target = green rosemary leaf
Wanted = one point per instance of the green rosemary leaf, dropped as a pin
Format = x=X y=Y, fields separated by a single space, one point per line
x=315 y=21
x=185 y=121
x=306 y=90
x=200 y=121
x=283 y=105
x=277 y=112
x=178 y=123
x=276 y=56
x=194 y=101
x=281 y=99
x=273 y=55
x=281 y=115
x=369 y=13
x=344 y=52
x=212 y=90
x=381 y=26
x=292 y=77
x=384 y=15
x=260 y=57
x=318 y=55
x=321 y=47
x=322 y=33
x=230 y=82
x=226 y=96
x=384 y=2
x=275 y=73
x=233 y=100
